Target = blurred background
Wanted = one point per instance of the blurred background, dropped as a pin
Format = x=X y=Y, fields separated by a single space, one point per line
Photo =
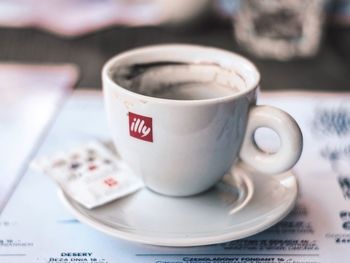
x=296 y=44
x=48 y=47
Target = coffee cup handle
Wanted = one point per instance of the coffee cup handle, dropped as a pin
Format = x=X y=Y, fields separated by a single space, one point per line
x=291 y=141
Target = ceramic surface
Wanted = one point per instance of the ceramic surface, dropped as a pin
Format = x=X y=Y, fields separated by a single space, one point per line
x=241 y=205
x=184 y=147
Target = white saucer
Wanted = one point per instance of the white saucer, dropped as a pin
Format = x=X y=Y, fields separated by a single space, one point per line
x=221 y=214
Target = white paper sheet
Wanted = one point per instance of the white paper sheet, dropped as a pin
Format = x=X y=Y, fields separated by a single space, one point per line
x=34 y=226
x=29 y=98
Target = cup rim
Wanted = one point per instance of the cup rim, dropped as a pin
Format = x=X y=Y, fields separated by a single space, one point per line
x=114 y=60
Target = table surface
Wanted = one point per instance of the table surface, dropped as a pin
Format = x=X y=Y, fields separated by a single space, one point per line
x=35 y=227
x=329 y=70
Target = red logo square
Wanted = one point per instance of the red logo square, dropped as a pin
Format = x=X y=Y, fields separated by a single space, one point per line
x=110 y=182
x=140 y=127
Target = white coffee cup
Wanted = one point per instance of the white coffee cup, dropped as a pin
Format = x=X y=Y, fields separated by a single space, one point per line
x=183 y=147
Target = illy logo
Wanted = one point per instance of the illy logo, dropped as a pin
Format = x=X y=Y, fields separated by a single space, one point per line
x=140 y=127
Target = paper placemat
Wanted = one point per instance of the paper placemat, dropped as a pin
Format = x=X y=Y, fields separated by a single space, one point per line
x=34 y=226
x=29 y=98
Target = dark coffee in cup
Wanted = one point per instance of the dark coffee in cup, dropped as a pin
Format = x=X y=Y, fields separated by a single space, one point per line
x=179 y=80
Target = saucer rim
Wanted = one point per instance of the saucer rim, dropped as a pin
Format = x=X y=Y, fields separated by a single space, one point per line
x=278 y=212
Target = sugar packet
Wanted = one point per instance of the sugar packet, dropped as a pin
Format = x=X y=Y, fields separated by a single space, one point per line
x=90 y=174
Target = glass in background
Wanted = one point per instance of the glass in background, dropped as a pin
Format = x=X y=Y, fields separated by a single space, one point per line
x=280 y=29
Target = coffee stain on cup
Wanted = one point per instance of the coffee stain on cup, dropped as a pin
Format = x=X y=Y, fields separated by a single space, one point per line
x=115 y=95
x=128 y=104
